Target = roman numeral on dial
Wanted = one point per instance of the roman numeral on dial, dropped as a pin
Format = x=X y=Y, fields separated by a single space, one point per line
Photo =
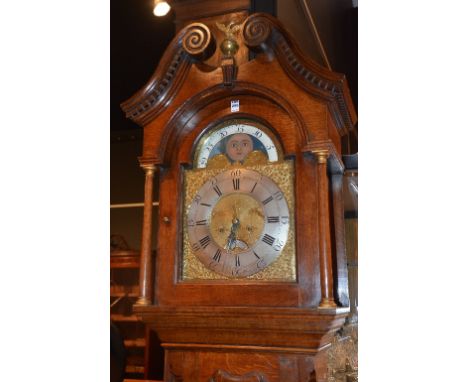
x=237 y=261
x=267 y=200
x=271 y=219
x=236 y=178
x=217 y=255
x=201 y=222
x=205 y=241
x=217 y=190
x=268 y=239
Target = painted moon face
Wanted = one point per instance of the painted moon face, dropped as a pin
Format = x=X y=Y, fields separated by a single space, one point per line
x=235 y=141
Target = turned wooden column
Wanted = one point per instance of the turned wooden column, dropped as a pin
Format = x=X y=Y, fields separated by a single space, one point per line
x=341 y=290
x=145 y=259
x=326 y=270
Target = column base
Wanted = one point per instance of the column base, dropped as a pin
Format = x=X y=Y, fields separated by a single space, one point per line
x=327 y=303
x=143 y=301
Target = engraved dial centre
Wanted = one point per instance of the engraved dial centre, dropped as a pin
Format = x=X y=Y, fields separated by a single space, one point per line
x=237 y=222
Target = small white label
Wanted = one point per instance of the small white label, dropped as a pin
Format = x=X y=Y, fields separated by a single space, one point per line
x=234 y=106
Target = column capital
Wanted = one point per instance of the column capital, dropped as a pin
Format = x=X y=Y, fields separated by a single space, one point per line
x=145 y=160
x=325 y=151
x=148 y=168
x=322 y=156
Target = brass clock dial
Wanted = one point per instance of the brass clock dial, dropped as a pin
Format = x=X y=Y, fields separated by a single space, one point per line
x=238 y=222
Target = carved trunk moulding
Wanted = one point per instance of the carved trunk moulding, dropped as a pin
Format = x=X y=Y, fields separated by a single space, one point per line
x=235 y=328
x=224 y=376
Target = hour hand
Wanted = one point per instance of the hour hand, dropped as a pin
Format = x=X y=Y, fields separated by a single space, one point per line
x=232 y=238
x=231 y=242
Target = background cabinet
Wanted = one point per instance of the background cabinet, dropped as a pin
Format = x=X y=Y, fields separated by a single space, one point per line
x=145 y=357
x=142 y=346
x=124 y=278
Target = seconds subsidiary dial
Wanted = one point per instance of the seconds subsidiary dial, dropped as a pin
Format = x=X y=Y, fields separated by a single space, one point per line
x=238 y=222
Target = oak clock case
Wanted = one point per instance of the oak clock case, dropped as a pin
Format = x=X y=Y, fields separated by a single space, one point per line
x=238 y=214
x=250 y=263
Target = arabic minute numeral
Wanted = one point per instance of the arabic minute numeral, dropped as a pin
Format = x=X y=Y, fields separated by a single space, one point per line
x=261 y=263
x=236 y=173
x=278 y=245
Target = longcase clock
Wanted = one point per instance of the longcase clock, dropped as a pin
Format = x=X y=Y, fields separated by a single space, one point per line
x=250 y=278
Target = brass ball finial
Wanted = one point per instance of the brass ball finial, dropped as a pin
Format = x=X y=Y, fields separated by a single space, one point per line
x=229 y=47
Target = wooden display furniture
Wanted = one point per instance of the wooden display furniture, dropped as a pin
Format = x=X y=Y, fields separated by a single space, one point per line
x=244 y=329
x=125 y=270
x=125 y=265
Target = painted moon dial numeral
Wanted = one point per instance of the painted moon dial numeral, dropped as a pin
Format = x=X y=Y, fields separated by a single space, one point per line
x=238 y=223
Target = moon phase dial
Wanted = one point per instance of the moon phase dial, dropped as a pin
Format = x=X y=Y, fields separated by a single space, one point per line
x=238 y=223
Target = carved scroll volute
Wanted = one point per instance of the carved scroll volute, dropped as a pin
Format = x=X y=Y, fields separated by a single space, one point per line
x=256 y=31
x=224 y=376
x=198 y=41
